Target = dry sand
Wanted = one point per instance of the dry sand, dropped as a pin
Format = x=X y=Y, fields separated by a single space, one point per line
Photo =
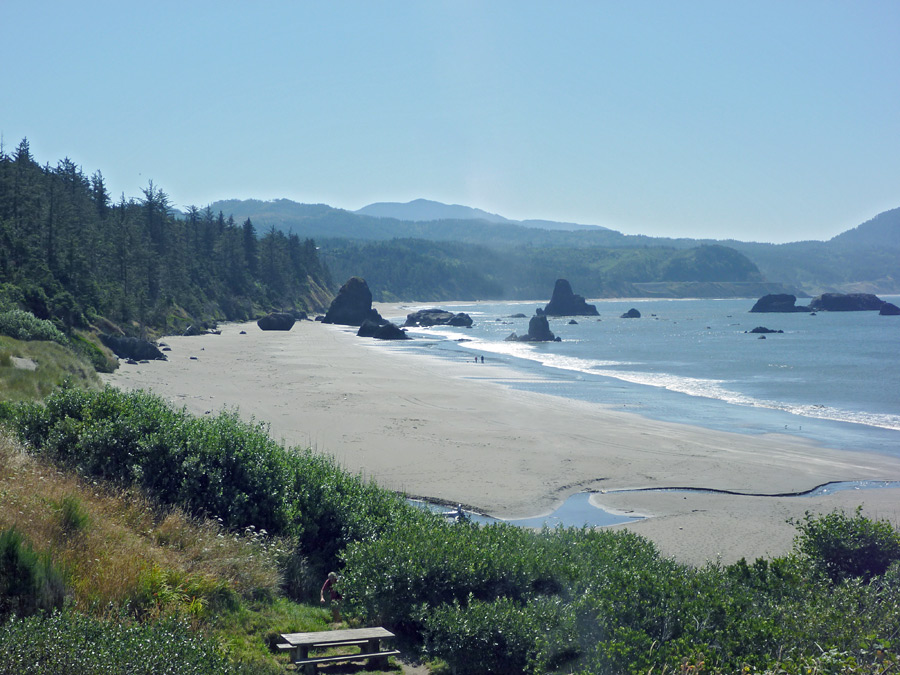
x=447 y=430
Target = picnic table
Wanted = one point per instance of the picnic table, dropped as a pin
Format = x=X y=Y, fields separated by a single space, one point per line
x=367 y=639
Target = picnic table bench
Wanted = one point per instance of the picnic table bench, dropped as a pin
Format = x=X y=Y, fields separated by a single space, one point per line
x=367 y=639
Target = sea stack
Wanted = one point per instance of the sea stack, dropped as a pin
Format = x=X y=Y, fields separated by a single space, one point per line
x=778 y=302
x=538 y=331
x=353 y=305
x=564 y=302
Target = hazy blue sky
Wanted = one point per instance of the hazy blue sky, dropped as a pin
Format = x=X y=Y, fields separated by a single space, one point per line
x=759 y=120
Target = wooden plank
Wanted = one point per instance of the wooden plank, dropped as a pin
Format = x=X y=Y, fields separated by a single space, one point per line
x=344 y=643
x=331 y=636
x=346 y=657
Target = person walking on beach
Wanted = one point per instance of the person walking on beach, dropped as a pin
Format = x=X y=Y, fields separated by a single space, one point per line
x=334 y=598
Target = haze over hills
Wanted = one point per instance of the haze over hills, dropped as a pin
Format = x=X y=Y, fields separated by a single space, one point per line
x=865 y=258
x=882 y=230
x=425 y=210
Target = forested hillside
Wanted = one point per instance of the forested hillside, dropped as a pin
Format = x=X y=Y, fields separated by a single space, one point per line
x=71 y=253
x=866 y=257
x=469 y=259
x=415 y=269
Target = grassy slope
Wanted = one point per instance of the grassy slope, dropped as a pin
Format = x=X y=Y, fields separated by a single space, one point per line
x=118 y=550
x=54 y=365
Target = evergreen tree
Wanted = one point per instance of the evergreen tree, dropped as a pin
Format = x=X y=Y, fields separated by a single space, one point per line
x=67 y=251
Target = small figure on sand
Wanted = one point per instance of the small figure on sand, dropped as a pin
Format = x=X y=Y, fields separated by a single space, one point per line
x=334 y=598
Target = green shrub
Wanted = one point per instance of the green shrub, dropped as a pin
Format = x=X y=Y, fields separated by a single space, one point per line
x=842 y=546
x=539 y=597
x=28 y=581
x=424 y=560
x=335 y=508
x=101 y=362
x=221 y=466
x=501 y=636
x=72 y=516
x=25 y=326
x=69 y=643
x=218 y=466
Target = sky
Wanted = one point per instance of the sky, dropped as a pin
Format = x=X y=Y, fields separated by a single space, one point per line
x=762 y=120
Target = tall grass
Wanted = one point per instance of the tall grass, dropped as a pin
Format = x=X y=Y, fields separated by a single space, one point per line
x=120 y=557
x=110 y=544
x=56 y=366
x=29 y=582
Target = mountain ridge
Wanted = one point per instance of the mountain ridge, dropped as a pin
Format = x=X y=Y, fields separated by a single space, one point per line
x=427 y=210
x=865 y=257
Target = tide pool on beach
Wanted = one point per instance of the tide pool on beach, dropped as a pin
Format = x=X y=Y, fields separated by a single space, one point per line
x=832 y=378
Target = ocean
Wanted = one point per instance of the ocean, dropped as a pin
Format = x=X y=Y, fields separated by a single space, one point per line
x=833 y=377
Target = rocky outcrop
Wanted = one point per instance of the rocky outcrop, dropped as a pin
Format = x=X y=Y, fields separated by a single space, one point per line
x=564 y=302
x=276 y=321
x=631 y=314
x=132 y=348
x=846 y=302
x=353 y=305
x=382 y=331
x=438 y=317
x=763 y=329
x=778 y=302
x=538 y=331
x=889 y=309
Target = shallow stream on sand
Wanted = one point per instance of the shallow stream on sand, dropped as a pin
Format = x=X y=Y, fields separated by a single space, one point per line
x=578 y=511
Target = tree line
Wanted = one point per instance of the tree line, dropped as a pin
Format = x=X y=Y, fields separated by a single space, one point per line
x=417 y=269
x=70 y=253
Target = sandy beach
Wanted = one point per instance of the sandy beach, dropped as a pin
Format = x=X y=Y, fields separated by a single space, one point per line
x=447 y=430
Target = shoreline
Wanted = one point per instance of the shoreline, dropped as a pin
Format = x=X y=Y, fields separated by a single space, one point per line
x=448 y=430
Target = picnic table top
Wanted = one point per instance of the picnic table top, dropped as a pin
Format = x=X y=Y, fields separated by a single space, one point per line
x=327 y=636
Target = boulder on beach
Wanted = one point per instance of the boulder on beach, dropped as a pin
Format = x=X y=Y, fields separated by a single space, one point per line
x=382 y=331
x=276 y=321
x=438 y=317
x=132 y=348
x=564 y=302
x=353 y=305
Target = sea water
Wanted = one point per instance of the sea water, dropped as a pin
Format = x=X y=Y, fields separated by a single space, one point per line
x=832 y=377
